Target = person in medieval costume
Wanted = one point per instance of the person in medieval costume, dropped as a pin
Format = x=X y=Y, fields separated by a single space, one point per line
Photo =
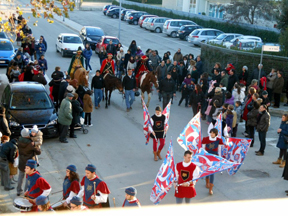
x=141 y=67
x=108 y=65
x=77 y=61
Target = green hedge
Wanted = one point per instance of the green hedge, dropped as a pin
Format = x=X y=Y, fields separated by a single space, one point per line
x=267 y=36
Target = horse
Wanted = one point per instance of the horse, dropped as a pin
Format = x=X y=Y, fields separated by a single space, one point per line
x=82 y=76
x=111 y=82
x=145 y=84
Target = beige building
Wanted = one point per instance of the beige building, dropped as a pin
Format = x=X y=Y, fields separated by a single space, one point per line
x=210 y=8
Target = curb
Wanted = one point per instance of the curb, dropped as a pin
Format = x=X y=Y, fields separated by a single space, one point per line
x=63 y=22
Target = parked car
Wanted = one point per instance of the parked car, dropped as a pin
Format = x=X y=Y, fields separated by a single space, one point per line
x=105 y=41
x=134 y=17
x=226 y=37
x=68 y=43
x=141 y=19
x=123 y=13
x=128 y=14
x=146 y=22
x=28 y=104
x=3 y=35
x=156 y=24
x=247 y=44
x=185 y=30
x=172 y=26
x=91 y=35
x=233 y=41
x=114 y=12
x=203 y=35
x=106 y=8
x=7 y=51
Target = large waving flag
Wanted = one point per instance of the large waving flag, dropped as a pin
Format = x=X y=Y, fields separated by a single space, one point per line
x=210 y=163
x=166 y=113
x=165 y=177
x=147 y=122
x=190 y=137
x=236 y=151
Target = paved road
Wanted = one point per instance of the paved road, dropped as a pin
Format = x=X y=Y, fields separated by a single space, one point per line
x=117 y=142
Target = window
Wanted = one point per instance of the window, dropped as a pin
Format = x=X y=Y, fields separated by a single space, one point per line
x=30 y=101
x=204 y=33
x=174 y=23
x=6 y=46
x=72 y=39
x=114 y=41
x=211 y=33
x=192 y=6
x=228 y=38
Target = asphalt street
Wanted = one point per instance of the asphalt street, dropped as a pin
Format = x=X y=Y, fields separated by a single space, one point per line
x=116 y=144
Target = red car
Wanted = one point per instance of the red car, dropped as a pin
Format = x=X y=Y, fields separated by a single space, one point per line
x=105 y=41
x=142 y=18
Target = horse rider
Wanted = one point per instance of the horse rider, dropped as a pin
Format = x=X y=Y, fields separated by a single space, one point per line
x=142 y=66
x=108 y=65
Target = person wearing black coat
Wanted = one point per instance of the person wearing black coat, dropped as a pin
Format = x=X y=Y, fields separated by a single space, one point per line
x=243 y=76
x=28 y=73
x=55 y=92
x=133 y=48
x=7 y=154
x=167 y=88
x=197 y=98
x=111 y=48
x=4 y=127
x=199 y=65
x=184 y=95
x=62 y=88
x=232 y=80
x=216 y=76
x=76 y=110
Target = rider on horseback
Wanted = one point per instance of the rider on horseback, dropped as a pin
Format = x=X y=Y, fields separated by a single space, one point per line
x=108 y=65
x=142 y=66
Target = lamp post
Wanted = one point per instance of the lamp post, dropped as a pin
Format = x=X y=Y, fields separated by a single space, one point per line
x=119 y=19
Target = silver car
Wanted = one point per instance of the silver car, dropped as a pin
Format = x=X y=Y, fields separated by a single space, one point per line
x=128 y=13
x=220 y=39
x=172 y=26
x=146 y=21
x=156 y=24
x=203 y=35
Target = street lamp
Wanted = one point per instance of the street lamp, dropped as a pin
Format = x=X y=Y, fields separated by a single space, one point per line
x=119 y=19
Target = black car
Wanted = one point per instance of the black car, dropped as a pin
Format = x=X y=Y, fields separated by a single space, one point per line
x=114 y=13
x=91 y=35
x=134 y=17
x=28 y=104
x=185 y=30
x=123 y=13
x=106 y=8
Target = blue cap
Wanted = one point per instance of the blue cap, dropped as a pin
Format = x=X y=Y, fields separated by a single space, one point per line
x=131 y=191
x=72 y=168
x=76 y=201
x=91 y=168
x=31 y=163
x=41 y=200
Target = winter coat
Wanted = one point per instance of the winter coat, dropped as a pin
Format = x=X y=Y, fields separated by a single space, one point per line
x=199 y=66
x=270 y=80
x=278 y=85
x=9 y=150
x=217 y=78
x=38 y=138
x=244 y=76
x=102 y=55
x=196 y=97
x=184 y=92
x=252 y=117
x=217 y=96
x=87 y=104
x=65 y=112
x=87 y=53
x=43 y=64
x=26 y=151
x=40 y=79
x=167 y=86
x=43 y=48
x=230 y=100
x=229 y=121
x=284 y=132
x=187 y=81
x=238 y=112
x=97 y=82
x=4 y=127
x=224 y=80
x=154 y=59
x=263 y=121
x=194 y=75
x=238 y=97
x=111 y=49
x=161 y=72
x=76 y=110
x=56 y=85
x=62 y=89
x=178 y=57
x=231 y=82
x=255 y=74
x=131 y=65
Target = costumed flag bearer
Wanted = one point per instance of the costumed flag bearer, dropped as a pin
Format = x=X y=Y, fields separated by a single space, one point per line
x=130 y=198
x=71 y=185
x=158 y=122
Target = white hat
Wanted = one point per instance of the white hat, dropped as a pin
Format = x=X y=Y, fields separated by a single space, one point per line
x=34 y=129
x=70 y=88
x=138 y=47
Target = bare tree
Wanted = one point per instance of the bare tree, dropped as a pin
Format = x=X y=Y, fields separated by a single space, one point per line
x=249 y=10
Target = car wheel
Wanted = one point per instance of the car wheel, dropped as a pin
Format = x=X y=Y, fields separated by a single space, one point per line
x=62 y=53
x=135 y=22
x=114 y=16
x=186 y=37
x=57 y=49
x=158 y=30
x=174 y=34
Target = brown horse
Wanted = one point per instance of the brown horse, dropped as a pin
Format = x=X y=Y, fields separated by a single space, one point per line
x=111 y=83
x=145 y=84
x=82 y=76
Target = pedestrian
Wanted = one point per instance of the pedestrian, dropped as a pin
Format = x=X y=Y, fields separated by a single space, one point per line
x=15 y=72
x=199 y=65
x=229 y=99
x=218 y=97
x=216 y=76
x=155 y=60
x=256 y=71
x=7 y=155
x=184 y=185
x=133 y=48
x=36 y=184
x=44 y=42
x=71 y=185
x=243 y=76
x=139 y=52
x=224 y=78
x=19 y=60
x=36 y=136
x=197 y=98
x=97 y=86
x=87 y=108
x=40 y=77
x=184 y=95
x=167 y=89
x=76 y=111
x=130 y=198
x=111 y=48
x=65 y=117
x=102 y=54
x=229 y=120
x=95 y=195
x=263 y=123
x=277 y=89
x=158 y=122
x=43 y=63
x=63 y=87
x=131 y=64
x=40 y=49
x=87 y=53
x=108 y=65
x=238 y=94
x=232 y=80
x=211 y=144
x=129 y=86
x=27 y=150
x=4 y=126
x=247 y=101
x=271 y=77
x=282 y=143
x=43 y=204
x=178 y=56
x=76 y=204
x=265 y=99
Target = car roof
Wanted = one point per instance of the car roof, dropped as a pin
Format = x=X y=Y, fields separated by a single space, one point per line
x=69 y=34
x=179 y=20
x=232 y=34
x=26 y=87
x=248 y=40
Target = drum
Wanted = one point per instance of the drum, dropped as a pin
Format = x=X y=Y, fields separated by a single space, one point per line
x=59 y=206
x=22 y=204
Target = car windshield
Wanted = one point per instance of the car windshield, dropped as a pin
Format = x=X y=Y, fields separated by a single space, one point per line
x=220 y=37
x=114 y=41
x=72 y=39
x=3 y=35
x=30 y=101
x=5 y=46
x=94 y=31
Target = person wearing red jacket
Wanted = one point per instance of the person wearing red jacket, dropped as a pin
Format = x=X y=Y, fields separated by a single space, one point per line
x=185 y=171
x=71 y=185
x=108 y=65
x=211 y=144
